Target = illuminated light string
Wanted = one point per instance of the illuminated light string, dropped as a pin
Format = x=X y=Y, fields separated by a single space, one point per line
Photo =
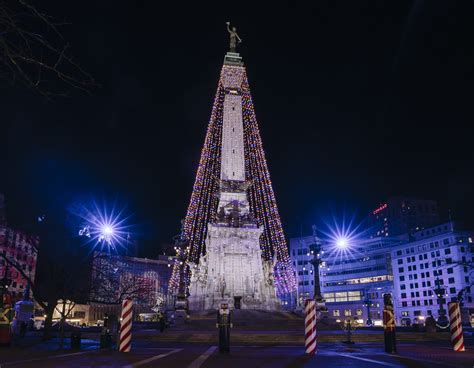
x=203 y=205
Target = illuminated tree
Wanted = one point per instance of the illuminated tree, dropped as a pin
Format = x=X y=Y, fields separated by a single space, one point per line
x=203 y=204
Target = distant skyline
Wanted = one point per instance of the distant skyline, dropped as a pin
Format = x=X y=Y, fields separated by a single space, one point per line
x=356 y=102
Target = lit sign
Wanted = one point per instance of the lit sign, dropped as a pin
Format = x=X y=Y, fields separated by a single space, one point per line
x=381 y=208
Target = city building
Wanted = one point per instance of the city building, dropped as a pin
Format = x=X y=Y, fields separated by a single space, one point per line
x=402 y=215
x=115 y=277
x=439 y=257
x=301 y=259
x=352 y=281
x=21 y=251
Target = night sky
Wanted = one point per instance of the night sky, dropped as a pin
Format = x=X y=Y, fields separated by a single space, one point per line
x=356 y=101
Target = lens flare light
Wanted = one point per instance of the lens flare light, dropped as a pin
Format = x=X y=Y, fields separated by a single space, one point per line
x=106 y=229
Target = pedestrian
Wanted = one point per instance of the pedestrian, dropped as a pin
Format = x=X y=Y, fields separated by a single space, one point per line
x=161 y=321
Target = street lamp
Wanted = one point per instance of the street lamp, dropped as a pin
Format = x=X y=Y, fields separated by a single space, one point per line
x=316 y=249
x=368 y=303
x=440 y=292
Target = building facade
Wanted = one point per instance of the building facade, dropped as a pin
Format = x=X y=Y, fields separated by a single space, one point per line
x=440 y=257
x=301 y=257
x=352 y=282
x=402 y=215
x=114 y=278
x=21 y=251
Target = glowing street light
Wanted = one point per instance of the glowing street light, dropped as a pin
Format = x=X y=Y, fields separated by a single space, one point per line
x=104 y=227
x=342 y=242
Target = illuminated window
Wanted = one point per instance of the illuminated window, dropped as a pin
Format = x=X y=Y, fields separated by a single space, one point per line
x=336 y=313
x=347 y=312
x=359 y=312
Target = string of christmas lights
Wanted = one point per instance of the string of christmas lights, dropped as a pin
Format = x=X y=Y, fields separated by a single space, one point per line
x=202 y=208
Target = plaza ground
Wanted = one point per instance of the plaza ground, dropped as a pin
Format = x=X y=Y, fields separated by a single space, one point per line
x=257 y=340
x=147 y=353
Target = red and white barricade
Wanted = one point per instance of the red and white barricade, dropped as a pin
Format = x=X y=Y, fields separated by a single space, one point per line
x=125 y=343
x=310 y=326
x=457 y=338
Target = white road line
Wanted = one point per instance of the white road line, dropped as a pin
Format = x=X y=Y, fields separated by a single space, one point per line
x=152 y=359
x=44 y=358
x=202 y=358
x=371 y=360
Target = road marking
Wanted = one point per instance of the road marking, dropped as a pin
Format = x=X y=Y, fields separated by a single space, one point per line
x=370 y=360
x=202 y=358
x=153 y=358
x=44 y=358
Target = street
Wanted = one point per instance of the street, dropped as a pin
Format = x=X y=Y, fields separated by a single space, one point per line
x=153 y=354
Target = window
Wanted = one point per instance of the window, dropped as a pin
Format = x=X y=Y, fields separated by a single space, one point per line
x=417 y=313
x=402 y=278
x=420 y=257
x=450 y=270
x=447 y=251
x=409 y=268
x=347 y=312
x=399 y=252
x=402 y=287
x=336 y=313
x=405 y=313
x=451 y=280
x=404 y=304
x=404 y=295
x=400 y=269
x=359 y=312
x=446 y=241
x=400 y=261
x=452 y=290
x=448 y=261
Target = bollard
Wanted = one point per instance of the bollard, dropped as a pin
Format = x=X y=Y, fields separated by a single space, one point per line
x=389 y=324
x=224 y=324
x=125 y=340
x=455 y=323
x=310 y=327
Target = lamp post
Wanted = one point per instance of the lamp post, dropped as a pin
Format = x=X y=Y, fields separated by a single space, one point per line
x=316 y=249
x=440 y=292
x=368 y=303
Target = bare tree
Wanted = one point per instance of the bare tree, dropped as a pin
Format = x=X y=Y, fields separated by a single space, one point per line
x=112 y=282
x=33 y=52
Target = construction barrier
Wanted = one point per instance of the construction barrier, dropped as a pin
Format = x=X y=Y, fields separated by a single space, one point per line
x=125 y=341
x=457 y=338
x=310 y=327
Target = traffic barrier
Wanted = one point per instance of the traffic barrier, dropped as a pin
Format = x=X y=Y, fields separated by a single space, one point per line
x=125 y=341
x=310 y=327
x=457 y=338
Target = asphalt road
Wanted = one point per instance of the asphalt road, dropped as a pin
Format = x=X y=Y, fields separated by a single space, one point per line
x=155 y=354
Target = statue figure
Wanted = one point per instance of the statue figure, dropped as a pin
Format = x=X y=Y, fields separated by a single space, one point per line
x=222 y=286
x=234 y=37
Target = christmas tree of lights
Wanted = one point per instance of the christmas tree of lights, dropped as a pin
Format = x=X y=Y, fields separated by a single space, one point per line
x=204 y=201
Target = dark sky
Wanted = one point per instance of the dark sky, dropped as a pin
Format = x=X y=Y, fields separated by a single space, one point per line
x=356 y=101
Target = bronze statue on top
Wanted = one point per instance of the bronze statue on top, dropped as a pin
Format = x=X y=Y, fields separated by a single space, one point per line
x=235 y=40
